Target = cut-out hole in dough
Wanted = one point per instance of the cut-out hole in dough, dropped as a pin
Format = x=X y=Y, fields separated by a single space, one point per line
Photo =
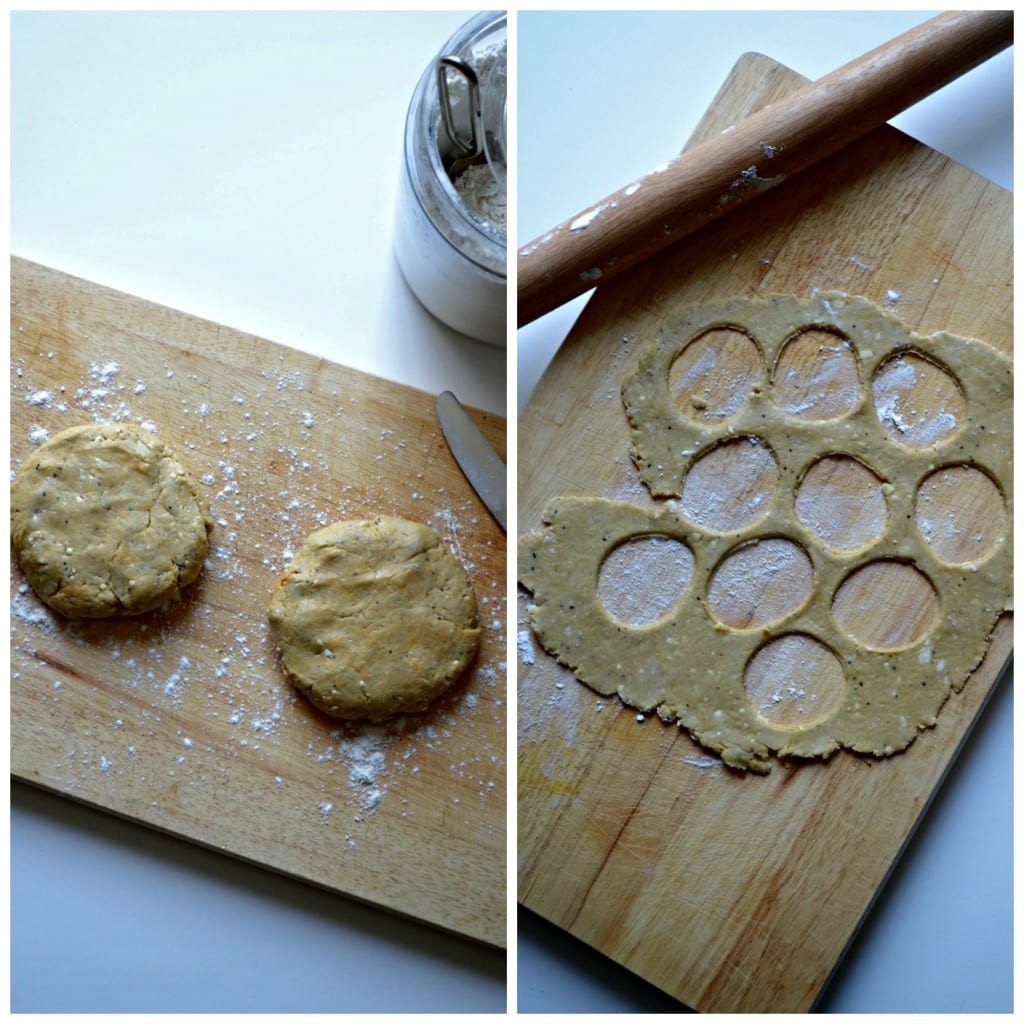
x=794 y=681
x=919 y=404
x=760 y=583
x=732 y=486
x=842 y=503
x=961 y=514
x=886 y=605
x=643 y=578
x=712 y=378
x=817 y=376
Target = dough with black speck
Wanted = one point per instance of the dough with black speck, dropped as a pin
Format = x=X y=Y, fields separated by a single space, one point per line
x=689 y=668
x=374 y=618
x=106 y=520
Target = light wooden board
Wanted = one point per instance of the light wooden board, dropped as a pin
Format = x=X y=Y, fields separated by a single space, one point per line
x=182 y=719
x=733 y=892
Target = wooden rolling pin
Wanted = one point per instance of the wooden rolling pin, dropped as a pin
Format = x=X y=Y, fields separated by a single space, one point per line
x=760 y=152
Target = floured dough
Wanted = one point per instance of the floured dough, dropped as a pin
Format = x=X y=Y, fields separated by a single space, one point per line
x=106 y=521
x=688 y=665
x=374 y=618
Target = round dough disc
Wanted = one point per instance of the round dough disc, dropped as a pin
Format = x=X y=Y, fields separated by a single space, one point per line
x=106 y=521
x=374 y=618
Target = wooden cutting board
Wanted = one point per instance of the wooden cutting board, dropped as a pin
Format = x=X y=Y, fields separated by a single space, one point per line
x=182 y=719
x=738 y=892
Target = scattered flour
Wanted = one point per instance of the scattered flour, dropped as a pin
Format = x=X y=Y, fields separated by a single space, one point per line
x=26 y=608
x=366 y=760
x=702 y=761
x=524 y=644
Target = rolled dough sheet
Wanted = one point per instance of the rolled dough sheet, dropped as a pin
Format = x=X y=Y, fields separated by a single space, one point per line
x=872 y=694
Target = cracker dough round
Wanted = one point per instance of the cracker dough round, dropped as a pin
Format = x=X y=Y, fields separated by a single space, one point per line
x=374 y=618
x=106 y=521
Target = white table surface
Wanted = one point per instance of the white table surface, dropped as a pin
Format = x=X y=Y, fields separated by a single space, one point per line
x=240 y=167
x=604 y=98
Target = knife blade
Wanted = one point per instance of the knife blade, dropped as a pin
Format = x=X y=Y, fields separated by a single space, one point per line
x=480 y=463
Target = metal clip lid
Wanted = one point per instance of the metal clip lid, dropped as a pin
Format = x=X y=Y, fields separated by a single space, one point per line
x=471 y=148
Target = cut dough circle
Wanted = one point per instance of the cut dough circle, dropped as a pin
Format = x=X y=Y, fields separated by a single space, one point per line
x=374 y=618
x=690 y=666
x=106 y=521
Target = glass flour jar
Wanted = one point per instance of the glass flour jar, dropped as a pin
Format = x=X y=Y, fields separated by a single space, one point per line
x=450 y=234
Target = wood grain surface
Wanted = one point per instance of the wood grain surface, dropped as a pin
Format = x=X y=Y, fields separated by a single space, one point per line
x=739 y=892
x=182 y=719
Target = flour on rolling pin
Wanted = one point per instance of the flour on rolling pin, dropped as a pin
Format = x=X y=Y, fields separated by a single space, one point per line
x=771 y=145
x=212 y=659
x=836 y=549
x=748 y=181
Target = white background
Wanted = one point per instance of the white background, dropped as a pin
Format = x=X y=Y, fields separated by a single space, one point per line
x=243 y=168
x=603 y=99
